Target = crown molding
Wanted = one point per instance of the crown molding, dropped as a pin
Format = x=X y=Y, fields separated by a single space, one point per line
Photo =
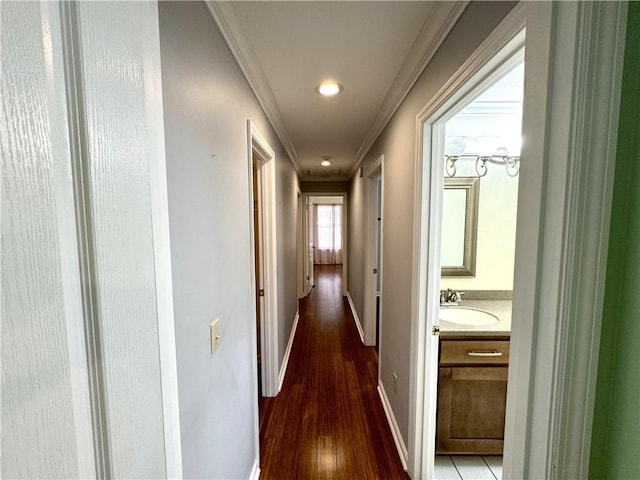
x=232 y=29
x=440 y=20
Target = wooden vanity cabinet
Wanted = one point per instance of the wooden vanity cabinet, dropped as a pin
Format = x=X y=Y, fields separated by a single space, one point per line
x=472 y=395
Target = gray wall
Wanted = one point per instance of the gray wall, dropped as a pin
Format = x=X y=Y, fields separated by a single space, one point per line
x=325 y=187
x=207 y=103
x=397 y=144
x=287 y=186
x=355 y=239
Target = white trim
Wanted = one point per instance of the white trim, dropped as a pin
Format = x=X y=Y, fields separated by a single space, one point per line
x=370 y=224
x=393 y=425
x=255 y=470
x=162 y=255
x=287 y=352
x=232 y=29
x=269 y=328
x=593 y=166
x=562 y=309
x=356 y=319
x=573 y=55
x=426 y=243
x=328 y=199
x=300 y=248
x=481 y=58
x=440 y=20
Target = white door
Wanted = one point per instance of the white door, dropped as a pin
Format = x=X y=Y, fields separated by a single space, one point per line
x=46 y=408
x=310 y=247
x=301 y=256
x=373 y=251
x=86 y=297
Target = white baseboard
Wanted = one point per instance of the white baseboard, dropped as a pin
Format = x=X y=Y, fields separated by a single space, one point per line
x=287 y=352
x=393 y=424
x=356 y=319
x=255 y=471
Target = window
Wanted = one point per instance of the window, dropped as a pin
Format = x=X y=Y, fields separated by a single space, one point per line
x=329 y=227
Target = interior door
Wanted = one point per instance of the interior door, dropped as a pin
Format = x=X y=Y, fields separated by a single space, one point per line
x=46 y=408
x=84 y=263
x=257 y=260
x=311 y=248
x=378 y=253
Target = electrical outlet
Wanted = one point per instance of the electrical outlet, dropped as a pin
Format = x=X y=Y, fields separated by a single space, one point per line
x=215 y=335
x=395 y=382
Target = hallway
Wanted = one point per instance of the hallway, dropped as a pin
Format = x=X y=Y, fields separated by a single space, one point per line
x=328 y=421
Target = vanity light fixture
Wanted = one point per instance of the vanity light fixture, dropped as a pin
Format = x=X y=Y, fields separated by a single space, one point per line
x=329 y=89
x=501 y=157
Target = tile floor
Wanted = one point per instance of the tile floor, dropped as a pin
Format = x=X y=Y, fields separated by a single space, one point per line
x=463 y=467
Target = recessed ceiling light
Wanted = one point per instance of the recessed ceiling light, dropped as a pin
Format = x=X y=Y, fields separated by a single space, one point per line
x=325 y=163
x=328 y=89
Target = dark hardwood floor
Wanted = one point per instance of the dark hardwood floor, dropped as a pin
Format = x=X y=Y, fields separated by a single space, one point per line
x=328 y=421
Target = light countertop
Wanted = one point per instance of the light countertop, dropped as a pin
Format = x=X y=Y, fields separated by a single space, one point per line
x=499 y=308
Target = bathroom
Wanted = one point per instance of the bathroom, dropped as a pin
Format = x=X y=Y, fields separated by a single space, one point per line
x=479 y=213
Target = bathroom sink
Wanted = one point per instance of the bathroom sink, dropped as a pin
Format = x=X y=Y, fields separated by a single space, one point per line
x=467 y=316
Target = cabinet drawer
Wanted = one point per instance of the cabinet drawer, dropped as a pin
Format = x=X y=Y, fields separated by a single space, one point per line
x=474 y=352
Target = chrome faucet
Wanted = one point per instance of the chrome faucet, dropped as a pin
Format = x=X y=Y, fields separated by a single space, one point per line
x=450 y=297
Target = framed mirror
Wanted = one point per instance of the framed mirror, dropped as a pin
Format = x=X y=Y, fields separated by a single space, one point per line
x=459 y=226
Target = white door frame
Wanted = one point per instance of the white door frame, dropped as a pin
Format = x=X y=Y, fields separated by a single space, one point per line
x=149 y=52
x=307 y=271
x=268 y=328
x=573 y=56
x=370 y=260
x=300 y=249
x=307 y=197
x=162 y=259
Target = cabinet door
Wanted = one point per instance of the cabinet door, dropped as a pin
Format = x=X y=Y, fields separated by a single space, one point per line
x=471 y=410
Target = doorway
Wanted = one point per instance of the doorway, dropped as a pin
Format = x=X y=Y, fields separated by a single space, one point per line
x=330 y=209
x=563 y=213
x=481 y=138
x=258 y=267
x=378 y=249
x=300 y=251
x=437 y=162
x=309 y=247
x=261 y=160
x=373 y=252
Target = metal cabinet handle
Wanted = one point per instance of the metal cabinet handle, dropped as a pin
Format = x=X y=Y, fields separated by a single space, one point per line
x=485 y=354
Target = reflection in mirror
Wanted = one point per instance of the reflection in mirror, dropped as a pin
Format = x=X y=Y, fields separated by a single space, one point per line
x=459 y=226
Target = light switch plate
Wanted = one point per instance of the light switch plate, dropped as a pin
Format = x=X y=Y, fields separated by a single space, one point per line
x=215 y=335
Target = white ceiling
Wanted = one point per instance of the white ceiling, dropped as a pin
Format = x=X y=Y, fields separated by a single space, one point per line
x=375 y=49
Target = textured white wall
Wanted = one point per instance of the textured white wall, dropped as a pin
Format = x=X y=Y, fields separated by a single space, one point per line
x=397 y=144
x=207 y=103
